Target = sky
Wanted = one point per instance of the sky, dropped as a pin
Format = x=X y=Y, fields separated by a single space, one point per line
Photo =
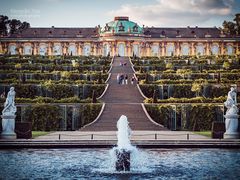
x=90 y=13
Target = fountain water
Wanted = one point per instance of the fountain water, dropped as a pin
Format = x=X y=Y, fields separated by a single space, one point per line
x=124 y=148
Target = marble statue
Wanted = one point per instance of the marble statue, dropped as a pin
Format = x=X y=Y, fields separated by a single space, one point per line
x=231 y=122
x=8 y=116
x=9 y=105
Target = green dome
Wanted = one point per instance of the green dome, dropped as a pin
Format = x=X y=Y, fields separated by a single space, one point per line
x=121 y=25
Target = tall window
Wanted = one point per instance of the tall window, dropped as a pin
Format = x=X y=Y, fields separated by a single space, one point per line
x=229 y=50
x=106 y=50
x=42 y=49
x=136 y=50
x=27 y=50
x=57 y=49
x=200 y=50
x=170 y=50
x=12 y=49
x=72 y=50
x=215 y=49
x=86 y=50
x=155 y=49
x=185 y=50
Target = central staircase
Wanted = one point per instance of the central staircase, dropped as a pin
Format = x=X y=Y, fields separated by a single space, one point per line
x=122 y=100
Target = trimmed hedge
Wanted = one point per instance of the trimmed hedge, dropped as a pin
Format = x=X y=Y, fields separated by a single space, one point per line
x=193 y=117
x=50 y=117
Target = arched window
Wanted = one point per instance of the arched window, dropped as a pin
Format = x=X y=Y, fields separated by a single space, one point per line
x=229 y=50
x=185 y=50
x=170 y=50
x=86 y=50
x=57 y=49
x=121 y=49
x=27 y=50
x=215 y=49
x=12 y=49
x=43 y=49
x=200 y=50
x=155 y=49
x=106 y=50
x=136 y=50
x=72 y=50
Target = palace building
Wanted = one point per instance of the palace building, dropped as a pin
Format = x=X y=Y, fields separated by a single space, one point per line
x=121 y=37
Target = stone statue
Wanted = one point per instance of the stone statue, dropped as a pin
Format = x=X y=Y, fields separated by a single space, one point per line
x=231 y=122
x=231 y=102
x=9 y=105
x=8 y=116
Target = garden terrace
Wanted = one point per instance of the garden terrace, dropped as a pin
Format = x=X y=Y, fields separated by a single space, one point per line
x=187 y=93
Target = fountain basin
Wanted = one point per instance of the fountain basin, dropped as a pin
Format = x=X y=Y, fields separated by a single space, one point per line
x=97 y=164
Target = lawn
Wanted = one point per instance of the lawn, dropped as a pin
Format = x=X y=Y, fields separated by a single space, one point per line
x=39 y=133
x=204 y=133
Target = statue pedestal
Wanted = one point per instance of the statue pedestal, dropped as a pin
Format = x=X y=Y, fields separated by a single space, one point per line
x=231 y=124
x=8 y=127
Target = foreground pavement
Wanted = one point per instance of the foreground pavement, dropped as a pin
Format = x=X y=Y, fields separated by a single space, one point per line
x=112 y=135
x=108 y=139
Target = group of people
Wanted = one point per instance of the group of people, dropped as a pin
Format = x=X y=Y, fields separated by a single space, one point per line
x=123 y=79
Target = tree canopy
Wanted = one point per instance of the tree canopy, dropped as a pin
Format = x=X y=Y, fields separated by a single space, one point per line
x=11 y=26
x=232 y=28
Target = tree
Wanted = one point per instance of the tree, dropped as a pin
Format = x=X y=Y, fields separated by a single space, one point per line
x=230 y=27
x=14 y=25
x=3 y=25
x=11 y=26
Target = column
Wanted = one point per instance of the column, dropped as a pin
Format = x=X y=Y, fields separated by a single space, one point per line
x=1 y=48
x=222 y=48
x=207 y=48
x=163 y=49
x=50 y=46
x=193 y=49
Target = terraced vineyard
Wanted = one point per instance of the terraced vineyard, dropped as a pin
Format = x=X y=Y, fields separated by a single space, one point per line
x=65 y=85
x=187 y=93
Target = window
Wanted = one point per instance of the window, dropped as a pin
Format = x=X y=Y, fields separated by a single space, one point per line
x=135 y=28
x=229 y=50
x=121 y=27
x=215 y=49
x=185 y=50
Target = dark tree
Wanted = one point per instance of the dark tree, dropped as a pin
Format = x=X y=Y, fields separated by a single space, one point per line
x=4 y=21
x=230 y=27
x=8 y=26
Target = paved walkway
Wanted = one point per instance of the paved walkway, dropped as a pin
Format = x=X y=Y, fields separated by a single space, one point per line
x=122 y=99
x=111 y=135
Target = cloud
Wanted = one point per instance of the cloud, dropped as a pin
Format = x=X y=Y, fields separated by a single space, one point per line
x=175 y=12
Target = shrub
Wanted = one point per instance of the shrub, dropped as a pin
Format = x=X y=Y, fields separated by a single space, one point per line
x=44 y=117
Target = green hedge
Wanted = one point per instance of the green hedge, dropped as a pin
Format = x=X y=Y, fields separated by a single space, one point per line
x=50 y=117
x=193 y=117
x=44 y=117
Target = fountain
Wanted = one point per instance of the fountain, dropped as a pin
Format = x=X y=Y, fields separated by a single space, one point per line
x=124 y=148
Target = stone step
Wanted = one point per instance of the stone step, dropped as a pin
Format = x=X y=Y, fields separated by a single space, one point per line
x=118 y=99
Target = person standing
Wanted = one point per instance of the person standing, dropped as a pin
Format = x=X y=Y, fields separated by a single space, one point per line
x=126 y=79
x=118 y=78
x=132 y=80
